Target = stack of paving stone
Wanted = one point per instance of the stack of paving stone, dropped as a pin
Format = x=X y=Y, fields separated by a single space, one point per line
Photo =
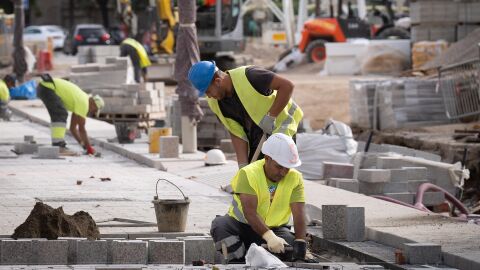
x=108 y=81
x=210 y=131
x=443 y=19
x=70 y=250
x=96 y=54
x=397 y=176
x=405 y=102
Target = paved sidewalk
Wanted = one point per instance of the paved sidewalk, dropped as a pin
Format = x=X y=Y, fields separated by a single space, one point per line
x=24 y=180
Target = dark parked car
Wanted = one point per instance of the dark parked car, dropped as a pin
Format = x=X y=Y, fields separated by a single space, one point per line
x=86 y=34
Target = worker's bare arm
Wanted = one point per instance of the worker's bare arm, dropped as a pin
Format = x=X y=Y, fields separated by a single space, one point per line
x=82 y=132
x=298 y=213
x=74 y=123
x=249 y=205
x=241 y=149
x=284 y=89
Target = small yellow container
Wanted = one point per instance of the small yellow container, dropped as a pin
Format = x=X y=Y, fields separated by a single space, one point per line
x=154 y=135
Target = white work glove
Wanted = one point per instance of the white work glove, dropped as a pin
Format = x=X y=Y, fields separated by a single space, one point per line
x=267 y=124
x=275 y=244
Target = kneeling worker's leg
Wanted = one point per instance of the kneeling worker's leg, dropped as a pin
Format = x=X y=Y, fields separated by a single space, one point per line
x=285 y=233
x=58 y=114
x=226 y=230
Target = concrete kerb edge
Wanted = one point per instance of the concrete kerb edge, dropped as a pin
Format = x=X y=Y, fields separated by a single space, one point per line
x=108 y=146
x=449 y=259
x=338 y=246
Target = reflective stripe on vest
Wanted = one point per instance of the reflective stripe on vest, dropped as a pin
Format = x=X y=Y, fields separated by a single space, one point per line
x=274 y=214
x=257 y=106
x=142 y=54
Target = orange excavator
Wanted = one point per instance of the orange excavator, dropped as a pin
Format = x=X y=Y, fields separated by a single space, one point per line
x=316 y=32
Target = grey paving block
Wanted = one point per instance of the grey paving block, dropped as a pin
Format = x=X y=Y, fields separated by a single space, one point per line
x=389 y=163
x=403 y=197
x=398 y=175
x=109 y=246
x=355 y=224
x=48 y=152
x=199 y=249
x=346 y=184
x=72 y=247
x=166 y=252
x=167 y=235
x=414 y=184
x=91 y=252
x=416 y=173
x=333 y=221
x=337 y=170
x=369 y=160
x=169 y=146
x=395 y=187
x=370 y=188
x=226 y=146
x=50 y=251
x=129 y=252
x=16 y=252
x=373 y=175
x=25 y=148
x=28 y=138
x=433 y=198
x=423 y=253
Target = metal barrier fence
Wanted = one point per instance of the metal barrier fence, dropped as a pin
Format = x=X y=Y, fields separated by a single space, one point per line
x=460 y=87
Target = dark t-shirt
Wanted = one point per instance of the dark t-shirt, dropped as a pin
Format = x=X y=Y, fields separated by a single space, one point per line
x=232 y=107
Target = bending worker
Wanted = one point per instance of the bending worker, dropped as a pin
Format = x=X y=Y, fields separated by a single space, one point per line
x=266 y=193
x=138 y=55
x=5 y=85
x=249 y=101
x=60 y=95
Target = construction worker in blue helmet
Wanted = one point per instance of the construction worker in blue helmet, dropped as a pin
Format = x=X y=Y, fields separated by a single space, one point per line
x=249 y=101
x=60 y=96
x=267 y=193
x=6 y=84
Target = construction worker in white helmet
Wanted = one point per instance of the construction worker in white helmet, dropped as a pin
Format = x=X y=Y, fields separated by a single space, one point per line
x=266 y=193
x=61 y=96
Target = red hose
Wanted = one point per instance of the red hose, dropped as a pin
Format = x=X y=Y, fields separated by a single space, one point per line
x=449 y=197
x=419 y=199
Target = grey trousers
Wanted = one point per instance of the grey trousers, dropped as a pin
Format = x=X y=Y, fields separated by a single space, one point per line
x=239 y=236
x=56 y=110
x=127 y=50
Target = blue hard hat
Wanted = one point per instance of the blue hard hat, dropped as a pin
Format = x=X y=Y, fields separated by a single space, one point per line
x=201 y=75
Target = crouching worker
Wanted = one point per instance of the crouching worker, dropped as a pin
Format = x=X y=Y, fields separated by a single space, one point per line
x=5 y=85
x=60 y=96
x=266 y=193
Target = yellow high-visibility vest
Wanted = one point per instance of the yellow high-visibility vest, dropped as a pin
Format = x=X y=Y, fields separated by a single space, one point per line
x=142 y=53
x=4 y=92
x=276 y=213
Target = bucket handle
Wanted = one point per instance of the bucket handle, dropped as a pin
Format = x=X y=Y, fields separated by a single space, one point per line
x=162 y=179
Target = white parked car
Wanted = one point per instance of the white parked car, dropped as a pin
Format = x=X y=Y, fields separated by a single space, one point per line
x=43 y=32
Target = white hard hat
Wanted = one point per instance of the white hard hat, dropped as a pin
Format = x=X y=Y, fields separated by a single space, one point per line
x=215 y=157
x=282 y=149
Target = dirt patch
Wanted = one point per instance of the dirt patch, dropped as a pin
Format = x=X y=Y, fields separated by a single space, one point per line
x=47 y=222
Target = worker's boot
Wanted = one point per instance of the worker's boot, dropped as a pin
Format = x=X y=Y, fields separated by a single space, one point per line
x=64 y=151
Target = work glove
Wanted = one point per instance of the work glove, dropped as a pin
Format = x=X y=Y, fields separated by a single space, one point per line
x=267 y=124
x=91 y=150
x=275 y=244
x=299 y=249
